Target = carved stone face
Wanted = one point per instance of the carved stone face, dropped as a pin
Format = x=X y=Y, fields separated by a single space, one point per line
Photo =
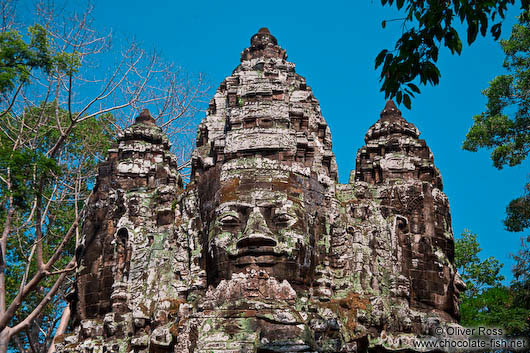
x=262 y=226
x=459 y=286
x=443 y=285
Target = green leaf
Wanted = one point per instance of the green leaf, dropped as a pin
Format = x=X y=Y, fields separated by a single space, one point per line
x=406 y=101
x=18 y=58
x=496 y=31
x=380 y=57
x=472 y=32
x=413 y=87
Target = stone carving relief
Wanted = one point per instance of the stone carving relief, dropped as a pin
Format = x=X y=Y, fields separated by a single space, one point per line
x=264 y=251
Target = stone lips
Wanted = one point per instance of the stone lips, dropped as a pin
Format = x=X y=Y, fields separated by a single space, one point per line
x=264 y=251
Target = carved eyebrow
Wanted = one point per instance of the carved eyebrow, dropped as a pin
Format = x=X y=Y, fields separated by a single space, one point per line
x=231 y=204
x=266 y=204
x=284 y=211
x=229 y=213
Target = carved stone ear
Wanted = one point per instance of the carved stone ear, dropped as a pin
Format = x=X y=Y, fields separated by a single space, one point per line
x=123 y=235
x=402 y=224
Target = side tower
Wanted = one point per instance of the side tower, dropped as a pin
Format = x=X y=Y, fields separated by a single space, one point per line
x=129 y=257
x=409 y=187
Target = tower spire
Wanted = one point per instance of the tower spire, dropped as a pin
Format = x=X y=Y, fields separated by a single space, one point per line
x=263 y=45
x=394 y=151
x=390 y=109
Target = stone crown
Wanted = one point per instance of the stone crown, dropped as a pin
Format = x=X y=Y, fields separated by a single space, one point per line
x=145 y=118
x=263 y=44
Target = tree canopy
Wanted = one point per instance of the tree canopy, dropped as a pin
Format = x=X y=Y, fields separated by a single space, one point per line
x=428 y=26
x=504 y=126
x=486 y=302
x=58 y=114
x=477 y=274
x=18 y=58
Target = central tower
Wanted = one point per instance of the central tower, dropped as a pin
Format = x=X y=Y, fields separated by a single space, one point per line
x=265 y=110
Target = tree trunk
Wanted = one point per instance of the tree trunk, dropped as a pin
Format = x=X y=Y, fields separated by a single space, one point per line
x=61 y=328
x=5 y=335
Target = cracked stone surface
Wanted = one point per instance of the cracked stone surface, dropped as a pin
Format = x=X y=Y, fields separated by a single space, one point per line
x=264 y=251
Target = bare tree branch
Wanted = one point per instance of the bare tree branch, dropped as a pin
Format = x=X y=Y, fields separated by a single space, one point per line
x=46 y=120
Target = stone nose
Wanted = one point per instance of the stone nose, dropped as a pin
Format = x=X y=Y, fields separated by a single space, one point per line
x=256 y=233
x=256 y=224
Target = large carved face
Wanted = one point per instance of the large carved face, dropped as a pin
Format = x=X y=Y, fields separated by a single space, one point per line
x=261 y=225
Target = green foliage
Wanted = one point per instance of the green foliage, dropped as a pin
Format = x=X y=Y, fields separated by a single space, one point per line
x=18 y=58
x=22 y=164
x=433 y=25
x=487 y=302
x=68 y=63
x=521 y=283
x=518 y=212
x=495 y=307
x=477 y=274
x=28 y=165
x=507 y=135
x=72 y=166
x=521 y=270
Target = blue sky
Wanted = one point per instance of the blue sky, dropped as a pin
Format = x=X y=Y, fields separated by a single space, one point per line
x=334 y=45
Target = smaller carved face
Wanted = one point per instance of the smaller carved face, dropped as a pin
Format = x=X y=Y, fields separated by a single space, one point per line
x=459 y=286
x=260 y=227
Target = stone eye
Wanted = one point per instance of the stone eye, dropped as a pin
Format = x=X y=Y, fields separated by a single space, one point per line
x=283 y=219
x=229 y=220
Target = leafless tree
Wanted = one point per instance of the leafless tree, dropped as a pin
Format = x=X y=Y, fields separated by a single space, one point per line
x=49 y=117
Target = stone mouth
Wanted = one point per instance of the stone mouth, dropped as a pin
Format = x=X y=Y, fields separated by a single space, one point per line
x=260 y=258
x=258 y=249
x=256 y=242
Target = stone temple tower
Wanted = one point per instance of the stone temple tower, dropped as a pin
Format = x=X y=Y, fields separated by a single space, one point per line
x=401 y=167
x=264 y=251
